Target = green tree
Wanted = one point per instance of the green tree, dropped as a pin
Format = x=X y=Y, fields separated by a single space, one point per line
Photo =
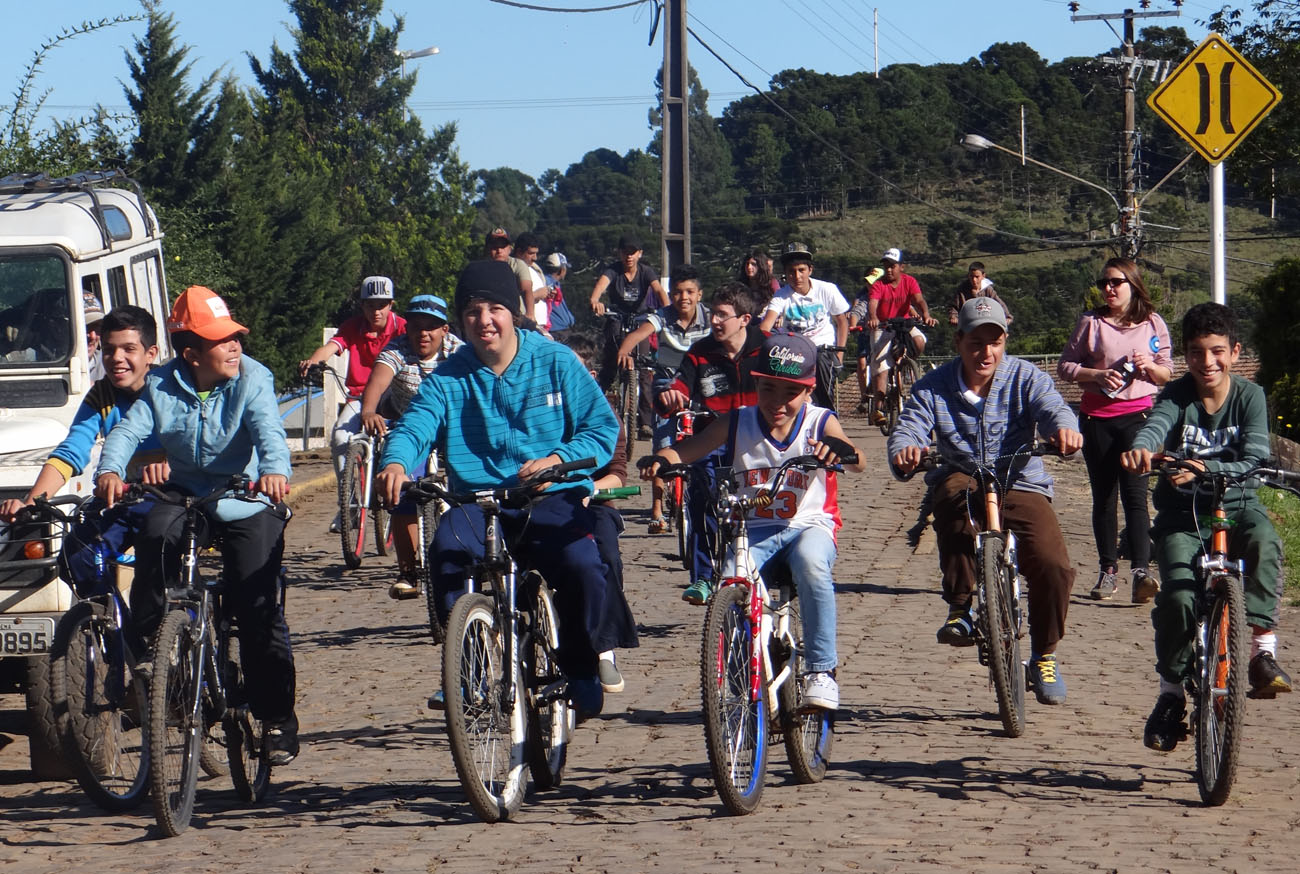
x=507 y=198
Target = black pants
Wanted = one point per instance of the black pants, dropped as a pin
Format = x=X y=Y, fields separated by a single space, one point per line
x=1104 y=440
x=252 y=553
x=618 y=624
x=828 y=371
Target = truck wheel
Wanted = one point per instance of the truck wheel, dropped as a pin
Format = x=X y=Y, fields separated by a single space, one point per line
x=42 y=731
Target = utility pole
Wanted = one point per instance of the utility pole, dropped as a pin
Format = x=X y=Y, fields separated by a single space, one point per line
x=1130 y=222
x=675 y=212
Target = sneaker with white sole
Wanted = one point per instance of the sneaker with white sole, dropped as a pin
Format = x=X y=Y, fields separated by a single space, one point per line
x=403 y=590
x=820 y=690
x=611 y=680
x=334 y=526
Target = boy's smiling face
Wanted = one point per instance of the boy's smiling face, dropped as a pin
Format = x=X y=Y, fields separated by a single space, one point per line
x=1210 y=359
x=685 y=297
x=780 y=400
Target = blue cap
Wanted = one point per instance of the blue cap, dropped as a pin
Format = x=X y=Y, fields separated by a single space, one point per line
x=428 y=305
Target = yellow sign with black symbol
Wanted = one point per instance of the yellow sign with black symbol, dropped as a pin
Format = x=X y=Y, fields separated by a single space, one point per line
x=1214 y=98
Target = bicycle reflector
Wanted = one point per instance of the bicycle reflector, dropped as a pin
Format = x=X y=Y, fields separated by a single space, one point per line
x=34 y=549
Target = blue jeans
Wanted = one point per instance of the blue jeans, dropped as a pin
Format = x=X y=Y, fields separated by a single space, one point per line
x=809 y=554
x=704 y=525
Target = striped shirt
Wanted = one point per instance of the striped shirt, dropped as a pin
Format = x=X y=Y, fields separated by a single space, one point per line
x=486 y=426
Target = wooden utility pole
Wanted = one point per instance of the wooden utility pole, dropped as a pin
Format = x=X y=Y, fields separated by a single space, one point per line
x=675 y=212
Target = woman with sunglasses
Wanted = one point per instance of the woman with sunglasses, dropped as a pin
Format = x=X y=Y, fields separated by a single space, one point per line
x=1120 y=355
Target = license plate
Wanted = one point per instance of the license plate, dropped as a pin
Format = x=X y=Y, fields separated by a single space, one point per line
x=25 y=635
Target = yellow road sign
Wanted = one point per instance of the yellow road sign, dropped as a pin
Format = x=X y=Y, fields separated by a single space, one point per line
x=1214 y=98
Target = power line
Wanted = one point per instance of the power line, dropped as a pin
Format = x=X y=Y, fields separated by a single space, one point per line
x=886 y=182
x=567 y=9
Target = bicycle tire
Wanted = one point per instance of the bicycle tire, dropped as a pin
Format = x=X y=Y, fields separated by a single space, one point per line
x=1001 y=639
x=487 y=744
x=1221 y=693
x=352 y=508
x=682 y=522
x=909 y=371
x=809 y=735
x=382 y=522
x=174 y=737
x=549 y=722
x=892 y=407
x=100 y=708
x=250 y=772
x=630 y=390
x=212 y=753
x=735 y=725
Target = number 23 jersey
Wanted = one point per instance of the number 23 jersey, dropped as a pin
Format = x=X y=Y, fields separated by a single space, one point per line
x=806 y=498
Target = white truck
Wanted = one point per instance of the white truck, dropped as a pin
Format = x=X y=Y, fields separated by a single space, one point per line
x=61 y=239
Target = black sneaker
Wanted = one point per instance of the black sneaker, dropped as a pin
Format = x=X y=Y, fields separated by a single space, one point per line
x=959 y=630
x=1267 y=679
x=1107 y=583
x=1165 y=726
x=280 y=740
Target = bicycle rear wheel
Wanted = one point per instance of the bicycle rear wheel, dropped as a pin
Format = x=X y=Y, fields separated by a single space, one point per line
x=1001 y=637
x=486 y=731
x=431 y=514
x=909 y=371
x=629 y=395
x=250 y=772
x=550 y=716
x=681 y=521
x=1221 y=692
x=175 y=726
x=735 y=719
x=382 y=522
x=809 y=734
x=352 y=506
x=100 y=708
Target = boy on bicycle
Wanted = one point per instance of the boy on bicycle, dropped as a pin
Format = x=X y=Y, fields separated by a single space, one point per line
x=892 y=296
x=815 y=309
x=507 y=405
x=798 y=529
x=129 y=340
x=394 y=380
x=718 y=374
x=677 y=327
x=1219 y=422
x=986 y=406
x=214 y=411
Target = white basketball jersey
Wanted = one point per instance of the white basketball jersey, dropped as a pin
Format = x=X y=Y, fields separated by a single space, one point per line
x=806 y=498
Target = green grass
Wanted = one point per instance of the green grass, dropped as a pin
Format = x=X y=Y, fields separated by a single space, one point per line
x=1285 y=510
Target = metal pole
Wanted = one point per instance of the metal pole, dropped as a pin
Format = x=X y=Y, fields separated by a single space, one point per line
x=875 y=38
x=1218 y=259
x=1022 y=135
x=675 y=214
x=1128 y=170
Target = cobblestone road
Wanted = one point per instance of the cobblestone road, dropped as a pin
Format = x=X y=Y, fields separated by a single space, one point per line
x=922 y=779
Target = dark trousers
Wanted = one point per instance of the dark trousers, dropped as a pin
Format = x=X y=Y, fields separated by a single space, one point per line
x=554 y=536
x=1104 y=440
x=828 y=371
x=704 y=525
x=116 y=529
x=1043 y=557
x=252 y=552
x=618 y=623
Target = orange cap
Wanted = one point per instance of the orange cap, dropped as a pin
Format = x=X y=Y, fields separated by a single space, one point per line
x=201 y=311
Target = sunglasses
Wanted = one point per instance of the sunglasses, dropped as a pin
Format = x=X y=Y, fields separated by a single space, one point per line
x=1111 y=282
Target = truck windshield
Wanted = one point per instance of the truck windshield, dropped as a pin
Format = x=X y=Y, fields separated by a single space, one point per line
x=35 y=327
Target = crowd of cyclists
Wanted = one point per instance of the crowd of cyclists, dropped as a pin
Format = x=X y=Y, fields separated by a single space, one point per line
x=497 y=386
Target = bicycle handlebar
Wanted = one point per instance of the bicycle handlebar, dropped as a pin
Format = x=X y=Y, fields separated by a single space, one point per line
x=934 y=458
x=1273 y=477
x=427 y=488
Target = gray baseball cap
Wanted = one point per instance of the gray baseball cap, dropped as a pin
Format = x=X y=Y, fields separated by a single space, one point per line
x=980 y=311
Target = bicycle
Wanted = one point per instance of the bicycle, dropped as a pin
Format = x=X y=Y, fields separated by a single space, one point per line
x=627 y=385
x=675 y=490
x=198 y=678
x=358 y=501
x=98 y=698
x=751 y=658
x=903 y=371
x=506 y=702
x=1218 y=679
x=999 y=615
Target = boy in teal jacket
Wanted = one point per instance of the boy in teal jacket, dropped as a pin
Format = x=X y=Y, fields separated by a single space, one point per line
x=215 y=413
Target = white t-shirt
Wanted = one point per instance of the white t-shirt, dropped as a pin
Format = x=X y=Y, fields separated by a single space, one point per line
x=806 y=499
x=811 y=314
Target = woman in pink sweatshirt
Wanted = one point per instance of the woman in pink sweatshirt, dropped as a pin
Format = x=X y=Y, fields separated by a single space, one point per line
x=1120 y=355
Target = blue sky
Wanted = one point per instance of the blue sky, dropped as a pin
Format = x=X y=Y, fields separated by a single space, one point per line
x=534 y=90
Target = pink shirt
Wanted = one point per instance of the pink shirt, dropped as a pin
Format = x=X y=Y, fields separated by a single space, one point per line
x=365 y=347
x=1100 y=344
x=894 y=300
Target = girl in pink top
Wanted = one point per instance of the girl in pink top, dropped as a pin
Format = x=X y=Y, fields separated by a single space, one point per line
x=1120 y=355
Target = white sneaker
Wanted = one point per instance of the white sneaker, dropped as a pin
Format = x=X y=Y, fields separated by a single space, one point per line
x=334 y=526
x=820 y=690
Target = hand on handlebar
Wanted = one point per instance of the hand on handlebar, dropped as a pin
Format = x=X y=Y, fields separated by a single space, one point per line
x=908 y=458
x=626 y=361
x=537 y=465
x=929 y=321
x=155 y=474
x=1067 y=441
x=108 y=488
x=598 y=308
x=9 y=509
x=388 y=484
x=375 y=424
x=275 y=486
x=673 y=401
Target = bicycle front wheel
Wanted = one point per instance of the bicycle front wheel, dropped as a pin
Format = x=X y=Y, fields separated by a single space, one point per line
x=681 y=521
x=550 y=716
x=175 y=723
x=1221 y=692
x=353 y=509
x=735 y=713
x=485 y=723
x=250 y=772
x=100 y=708
x=631 y=395
x=809 y=733
x=1001 y=637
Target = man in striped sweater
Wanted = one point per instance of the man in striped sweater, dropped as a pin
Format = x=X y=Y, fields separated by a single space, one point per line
x=986 y=406
x=507 y=405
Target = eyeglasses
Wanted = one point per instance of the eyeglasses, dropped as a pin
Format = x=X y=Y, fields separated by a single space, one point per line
x=1111 y=282
x=719 y=317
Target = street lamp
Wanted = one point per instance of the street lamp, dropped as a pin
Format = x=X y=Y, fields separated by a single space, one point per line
x=977 y=143
x=412 y=55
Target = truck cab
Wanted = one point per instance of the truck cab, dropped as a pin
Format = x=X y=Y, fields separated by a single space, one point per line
x=64 y=242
